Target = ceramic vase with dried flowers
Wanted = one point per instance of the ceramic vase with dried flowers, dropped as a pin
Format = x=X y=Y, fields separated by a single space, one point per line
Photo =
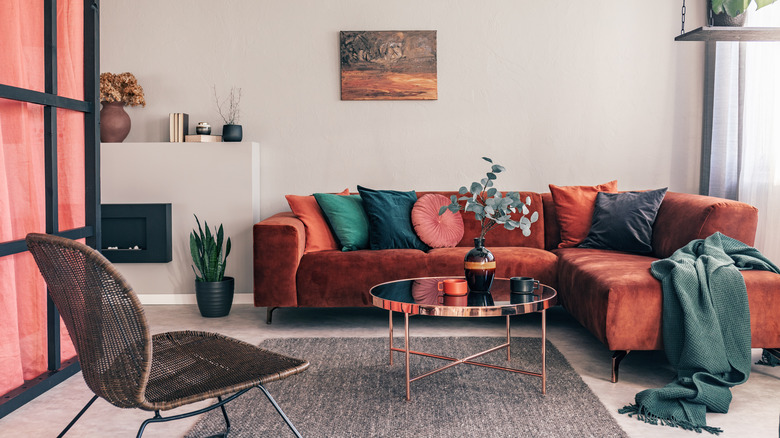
x=116 y=91
x=229 y=111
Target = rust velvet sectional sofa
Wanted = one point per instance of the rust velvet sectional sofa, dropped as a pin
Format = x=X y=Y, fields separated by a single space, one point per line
x=611 y=293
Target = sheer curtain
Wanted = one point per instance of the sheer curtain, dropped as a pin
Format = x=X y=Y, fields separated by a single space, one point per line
x=759 y=176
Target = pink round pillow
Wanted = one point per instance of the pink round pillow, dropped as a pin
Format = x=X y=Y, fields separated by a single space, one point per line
x=436 y=231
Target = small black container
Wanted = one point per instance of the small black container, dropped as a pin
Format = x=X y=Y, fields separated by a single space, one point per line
x=232 y=133
x=203 y=128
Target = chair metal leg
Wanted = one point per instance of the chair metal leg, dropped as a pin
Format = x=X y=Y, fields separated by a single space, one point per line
x=220 y=403
x=617 y=356
x=224 y=414
x=268 y=313
x=279 y=410
x=76 y=418
x=157 y=417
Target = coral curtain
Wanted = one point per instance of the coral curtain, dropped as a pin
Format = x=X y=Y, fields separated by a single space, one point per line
x=23 y=343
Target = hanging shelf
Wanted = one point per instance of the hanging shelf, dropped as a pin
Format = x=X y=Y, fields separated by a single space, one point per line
x=724 y=33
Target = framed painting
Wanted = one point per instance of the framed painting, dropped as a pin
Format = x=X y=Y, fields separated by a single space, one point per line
x=388 y=65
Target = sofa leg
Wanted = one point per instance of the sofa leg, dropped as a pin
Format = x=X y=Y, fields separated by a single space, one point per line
x=269 y=313
x=617 y=356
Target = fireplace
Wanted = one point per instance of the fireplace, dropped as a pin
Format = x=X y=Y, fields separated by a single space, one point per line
x=136 y=233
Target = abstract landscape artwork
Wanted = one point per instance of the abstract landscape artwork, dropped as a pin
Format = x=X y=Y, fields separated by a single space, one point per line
x=388 y=65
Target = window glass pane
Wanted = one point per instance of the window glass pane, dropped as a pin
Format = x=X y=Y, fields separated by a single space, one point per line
x=70 y=168
x=22 y=179
x=21 y=44
x=70 y=48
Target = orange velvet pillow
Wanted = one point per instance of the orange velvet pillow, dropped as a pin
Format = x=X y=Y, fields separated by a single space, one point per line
x=318 y=234
x=574 y=207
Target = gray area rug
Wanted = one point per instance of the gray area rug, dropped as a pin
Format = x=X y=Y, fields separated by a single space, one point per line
x=350 y=390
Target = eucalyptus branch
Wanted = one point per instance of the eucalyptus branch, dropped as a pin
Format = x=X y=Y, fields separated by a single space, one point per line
x=490 y=206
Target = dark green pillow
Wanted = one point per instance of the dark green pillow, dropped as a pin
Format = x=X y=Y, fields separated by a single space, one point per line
x=346 y=218
x=390 y=219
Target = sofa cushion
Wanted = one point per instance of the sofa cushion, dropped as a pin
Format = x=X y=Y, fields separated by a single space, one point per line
x=343 y=279
x=434 y=229
x=510 y=262
x=613 y=295
x=574 y=206
x=624 y=221
x=318 y=234
x=390 y=219
x=346 y=218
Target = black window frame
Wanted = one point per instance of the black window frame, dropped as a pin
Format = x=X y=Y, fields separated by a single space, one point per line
x=58 y=371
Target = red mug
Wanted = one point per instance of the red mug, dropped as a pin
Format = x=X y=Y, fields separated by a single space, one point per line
x=453 y=286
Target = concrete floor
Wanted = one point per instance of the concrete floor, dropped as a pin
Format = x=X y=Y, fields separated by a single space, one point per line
x=754 y=412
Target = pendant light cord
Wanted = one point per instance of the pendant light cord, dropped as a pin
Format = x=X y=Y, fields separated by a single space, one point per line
x=682 y=29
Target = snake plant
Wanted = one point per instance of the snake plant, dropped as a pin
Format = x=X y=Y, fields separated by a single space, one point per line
x=207 y=255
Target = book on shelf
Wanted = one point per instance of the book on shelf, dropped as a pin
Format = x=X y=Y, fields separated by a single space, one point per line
x=171 y=128
x=179 y=126
x=203 y=138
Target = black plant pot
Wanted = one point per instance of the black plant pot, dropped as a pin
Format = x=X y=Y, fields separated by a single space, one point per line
x=215 y=297
x=724 y=19
x=232 y=133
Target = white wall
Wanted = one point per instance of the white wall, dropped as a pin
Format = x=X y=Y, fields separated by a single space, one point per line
x=562 y=92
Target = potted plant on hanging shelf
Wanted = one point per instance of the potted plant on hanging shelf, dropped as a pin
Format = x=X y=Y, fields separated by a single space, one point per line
x=732 y=12
x=490 y=208
x=229 y=111
x=213 y=290
x=116 y=91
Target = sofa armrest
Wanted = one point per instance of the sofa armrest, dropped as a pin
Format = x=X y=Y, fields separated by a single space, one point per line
x=684 y=217
x=278 y=244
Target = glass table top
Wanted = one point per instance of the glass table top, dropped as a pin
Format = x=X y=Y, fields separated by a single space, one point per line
x=421 y=296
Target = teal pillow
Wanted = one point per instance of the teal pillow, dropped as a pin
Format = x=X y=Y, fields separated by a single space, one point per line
x=390 y=219
x=346 y=218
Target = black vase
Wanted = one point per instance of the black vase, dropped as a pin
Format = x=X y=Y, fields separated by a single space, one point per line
x=480 y=267
x=232 y=133
x=215 y=297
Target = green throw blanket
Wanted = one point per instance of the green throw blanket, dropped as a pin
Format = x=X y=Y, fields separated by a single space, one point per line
x=706 y=331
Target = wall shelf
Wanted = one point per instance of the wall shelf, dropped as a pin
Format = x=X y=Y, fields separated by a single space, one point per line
x=722 y=33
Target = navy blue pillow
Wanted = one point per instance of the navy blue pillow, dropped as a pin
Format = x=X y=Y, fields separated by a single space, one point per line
x=624 y=221
x=390 y=219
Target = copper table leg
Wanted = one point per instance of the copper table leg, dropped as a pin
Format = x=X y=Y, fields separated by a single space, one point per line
x=406 y=345
x=391 y=337
x=508 y=348
x=544 y=352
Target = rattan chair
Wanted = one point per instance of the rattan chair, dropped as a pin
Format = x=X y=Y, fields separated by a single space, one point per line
x=122 y=363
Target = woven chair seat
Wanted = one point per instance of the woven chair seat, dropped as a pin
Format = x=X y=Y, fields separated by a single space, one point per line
x=190 y=366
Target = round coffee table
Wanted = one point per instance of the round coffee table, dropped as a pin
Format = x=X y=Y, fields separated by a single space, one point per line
x=421 y=296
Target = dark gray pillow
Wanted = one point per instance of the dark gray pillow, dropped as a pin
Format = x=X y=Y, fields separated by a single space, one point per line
x=624 y=221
